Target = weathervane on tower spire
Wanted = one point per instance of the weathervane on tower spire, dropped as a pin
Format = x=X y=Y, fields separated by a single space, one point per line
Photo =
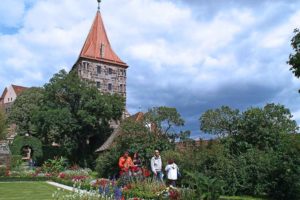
x=99 y=1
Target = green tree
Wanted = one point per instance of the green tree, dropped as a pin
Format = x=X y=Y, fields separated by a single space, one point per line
x=165 y=121
x=261 y=157
x=3 y=125
x=142 y=140
x=264 y=127
x=154 y=131
x=221 y=121
x=24 y=108
x=76 y=115
x=294 y=59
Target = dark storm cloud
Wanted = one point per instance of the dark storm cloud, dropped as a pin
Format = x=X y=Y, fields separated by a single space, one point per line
x=191 y=104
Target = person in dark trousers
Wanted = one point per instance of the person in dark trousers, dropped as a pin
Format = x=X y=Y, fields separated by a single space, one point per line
x=156 y=166
x=172 y=172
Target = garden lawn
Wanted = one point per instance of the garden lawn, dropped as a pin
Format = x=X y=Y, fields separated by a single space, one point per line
x=26 y=191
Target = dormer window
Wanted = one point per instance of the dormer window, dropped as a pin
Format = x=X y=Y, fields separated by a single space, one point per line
x=102 y=50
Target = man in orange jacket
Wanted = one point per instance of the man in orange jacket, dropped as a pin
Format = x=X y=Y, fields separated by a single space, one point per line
x=125 y=162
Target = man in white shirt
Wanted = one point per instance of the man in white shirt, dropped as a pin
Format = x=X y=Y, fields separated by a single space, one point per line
x=156 y=166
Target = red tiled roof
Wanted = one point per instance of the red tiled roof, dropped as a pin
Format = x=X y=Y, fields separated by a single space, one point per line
x=137 y=117
x=18 y=89
x=97 y=39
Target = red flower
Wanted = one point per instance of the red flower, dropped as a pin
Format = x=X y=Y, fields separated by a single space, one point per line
x=62 y=175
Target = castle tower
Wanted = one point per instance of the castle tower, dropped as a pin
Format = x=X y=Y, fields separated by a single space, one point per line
x=98 y=62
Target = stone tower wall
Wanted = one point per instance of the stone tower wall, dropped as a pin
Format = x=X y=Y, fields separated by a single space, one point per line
x=107 y=78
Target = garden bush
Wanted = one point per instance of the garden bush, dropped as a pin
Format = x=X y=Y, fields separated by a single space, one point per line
x=32 y=142
x=52 y=152
x=2 y=171
x=15 y=161
x=285 y=176
x=107 y=164
x=55 y=166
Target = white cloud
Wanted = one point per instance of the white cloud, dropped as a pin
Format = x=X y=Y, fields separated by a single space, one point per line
x=277 y=36
x=166 y=45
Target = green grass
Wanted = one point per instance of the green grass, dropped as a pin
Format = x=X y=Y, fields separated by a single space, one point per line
x=26 y=191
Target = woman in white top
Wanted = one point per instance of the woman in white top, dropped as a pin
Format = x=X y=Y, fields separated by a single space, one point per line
x=172 y=172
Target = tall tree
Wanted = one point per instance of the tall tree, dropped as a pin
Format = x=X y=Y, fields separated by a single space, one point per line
x=24 y=108
x=76 y=115
x=261 y=128
x=165 y=120
x=294 y=58
x=221 y=121
x=264 y=127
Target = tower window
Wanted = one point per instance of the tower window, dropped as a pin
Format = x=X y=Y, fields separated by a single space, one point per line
x=110 y=70
x=98 y=69
x=102 y=50
x=85 y=65
x=98 y=84
x=109 y=86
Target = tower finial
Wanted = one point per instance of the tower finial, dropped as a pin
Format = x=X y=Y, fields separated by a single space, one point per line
x=99 y=1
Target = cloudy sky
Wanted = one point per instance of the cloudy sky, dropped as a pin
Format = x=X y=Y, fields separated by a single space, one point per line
x=190 y=54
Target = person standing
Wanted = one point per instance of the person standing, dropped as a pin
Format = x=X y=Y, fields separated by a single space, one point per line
x=156 y=166
x=137 y=168
x=125 y=163
x=172 y=172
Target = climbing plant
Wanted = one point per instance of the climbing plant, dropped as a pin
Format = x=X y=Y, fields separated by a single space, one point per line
x=22 y=141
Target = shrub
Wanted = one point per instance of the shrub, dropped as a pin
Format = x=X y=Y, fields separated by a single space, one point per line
x=34 y=143
x=146 y=189
x=107 y=164
x=205 y=187
x=54 y=166
x=15 y=162
x=285 y=176
x=2 y=171
x=52 y=152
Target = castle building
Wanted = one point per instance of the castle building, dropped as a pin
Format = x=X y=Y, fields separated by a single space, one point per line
x=98 y=62
x=7 y=99
x=9 y=95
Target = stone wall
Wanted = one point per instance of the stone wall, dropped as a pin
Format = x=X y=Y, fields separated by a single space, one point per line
x=4 y=153
x=107 y=78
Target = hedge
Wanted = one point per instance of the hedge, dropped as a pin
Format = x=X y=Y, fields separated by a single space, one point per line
x=22 y=141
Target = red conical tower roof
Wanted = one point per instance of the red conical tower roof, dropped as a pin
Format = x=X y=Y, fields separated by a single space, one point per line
x=97 y=46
